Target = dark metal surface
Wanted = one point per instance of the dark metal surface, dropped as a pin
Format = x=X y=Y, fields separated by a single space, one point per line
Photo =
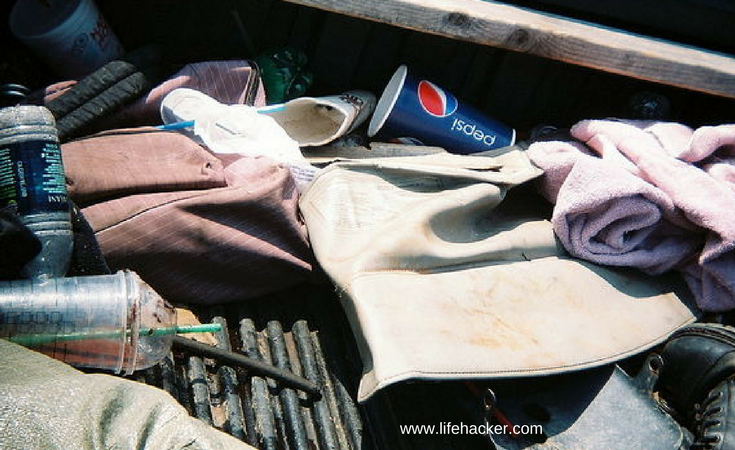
x=284 y=375
x=595 y=409
x=199 y=390
x=308 y=337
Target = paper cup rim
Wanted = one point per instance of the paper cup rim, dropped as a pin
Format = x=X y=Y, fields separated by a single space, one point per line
x=388 y=100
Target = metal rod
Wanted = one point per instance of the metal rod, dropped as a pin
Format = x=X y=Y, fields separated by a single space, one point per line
x=265 y=428
x=338 y=399
x=201 y=400
x=235 y=420
x=289 y=399
x=324 y=420
x=254 y=366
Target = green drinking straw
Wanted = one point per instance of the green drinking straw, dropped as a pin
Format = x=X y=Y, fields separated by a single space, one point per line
x=41 y=339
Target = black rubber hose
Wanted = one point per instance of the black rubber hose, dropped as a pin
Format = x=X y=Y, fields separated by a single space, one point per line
x=90 y=87
x=252 y=365
x=109 y=100
x=105 y=90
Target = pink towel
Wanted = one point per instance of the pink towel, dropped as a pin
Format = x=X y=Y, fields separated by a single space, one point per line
x=637 y=204
x=606 y=214
x=713 y=148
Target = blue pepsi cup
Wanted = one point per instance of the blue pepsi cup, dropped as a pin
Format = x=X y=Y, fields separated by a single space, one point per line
x=420 y=112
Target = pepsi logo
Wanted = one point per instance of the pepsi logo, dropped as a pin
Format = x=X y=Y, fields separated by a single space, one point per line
x=435 y=100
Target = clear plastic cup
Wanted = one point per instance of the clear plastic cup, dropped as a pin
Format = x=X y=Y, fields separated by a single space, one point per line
x=113 y=322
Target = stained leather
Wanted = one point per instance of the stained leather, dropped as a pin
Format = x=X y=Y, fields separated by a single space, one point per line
x=696 y=359
x=441 y=280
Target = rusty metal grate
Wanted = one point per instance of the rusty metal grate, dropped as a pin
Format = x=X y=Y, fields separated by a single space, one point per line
x=308 y=336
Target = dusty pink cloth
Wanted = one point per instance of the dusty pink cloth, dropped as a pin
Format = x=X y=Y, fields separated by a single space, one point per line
x=228 y=82
x=196 y=227
x=713 y=149
x=606 y=214
x=634 y=202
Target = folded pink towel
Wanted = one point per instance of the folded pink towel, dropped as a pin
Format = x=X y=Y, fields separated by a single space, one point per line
x=606 y=214
x=706 y=141
x=636 y=204
x=713 y=148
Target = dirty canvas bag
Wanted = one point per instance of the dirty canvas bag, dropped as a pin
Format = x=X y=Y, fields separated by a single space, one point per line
x=439 y=281
x=48 y=405
x=198 y=228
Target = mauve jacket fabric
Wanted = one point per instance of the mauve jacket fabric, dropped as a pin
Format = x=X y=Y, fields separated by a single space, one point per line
x=197 y=228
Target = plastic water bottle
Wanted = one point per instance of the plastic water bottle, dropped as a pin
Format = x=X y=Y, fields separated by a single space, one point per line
x=32 y=182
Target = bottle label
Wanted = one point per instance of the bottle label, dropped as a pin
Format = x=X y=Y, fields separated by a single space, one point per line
x=32 y=177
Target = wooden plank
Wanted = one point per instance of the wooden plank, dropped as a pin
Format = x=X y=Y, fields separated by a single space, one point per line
x=523 y=30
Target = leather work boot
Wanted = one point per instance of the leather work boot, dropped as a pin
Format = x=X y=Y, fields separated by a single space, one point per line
x=696 y=359
x=715 y=421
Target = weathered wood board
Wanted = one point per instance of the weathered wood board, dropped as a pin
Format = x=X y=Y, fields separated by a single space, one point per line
x=523 y=30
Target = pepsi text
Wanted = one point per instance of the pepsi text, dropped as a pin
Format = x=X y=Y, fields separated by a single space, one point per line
x=470 y=129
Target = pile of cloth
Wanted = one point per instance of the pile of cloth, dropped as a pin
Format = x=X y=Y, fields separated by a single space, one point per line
x=652 y=195
x=205 y=207
x=211 y=204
